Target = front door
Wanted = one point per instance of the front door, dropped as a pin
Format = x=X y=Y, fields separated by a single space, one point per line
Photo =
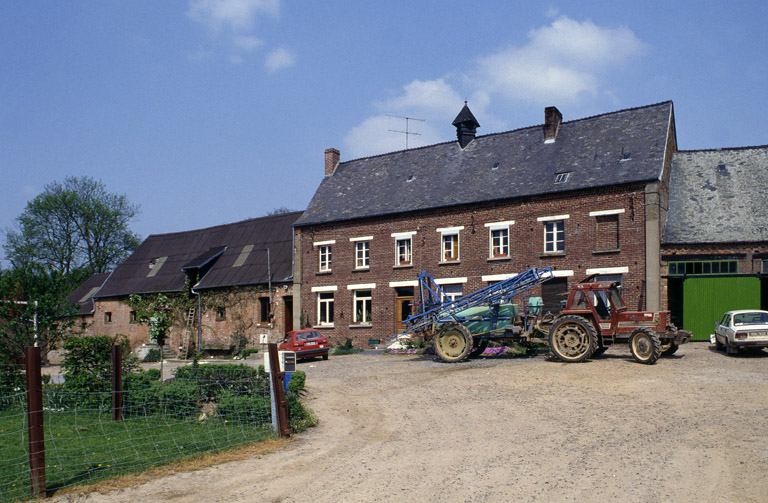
x=403 y=307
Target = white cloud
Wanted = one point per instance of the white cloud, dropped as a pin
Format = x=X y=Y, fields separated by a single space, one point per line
x=237 y=15
x=566 y=62
x=562 y=62
x=279 y=59
x=247 y=42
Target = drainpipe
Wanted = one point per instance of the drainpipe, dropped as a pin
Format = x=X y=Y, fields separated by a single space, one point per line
x=199 y=319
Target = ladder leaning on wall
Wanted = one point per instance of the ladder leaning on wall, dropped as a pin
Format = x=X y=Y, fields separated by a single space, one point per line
x=189 y=331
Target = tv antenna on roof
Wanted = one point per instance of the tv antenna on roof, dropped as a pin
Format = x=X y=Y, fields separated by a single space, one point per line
x=407 y=133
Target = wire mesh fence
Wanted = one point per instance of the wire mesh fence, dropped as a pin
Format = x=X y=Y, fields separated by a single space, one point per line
x=202 y=409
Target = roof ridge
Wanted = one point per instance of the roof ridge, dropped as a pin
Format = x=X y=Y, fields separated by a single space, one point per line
x=478 y=137
x=218 y=226
x=721 y=149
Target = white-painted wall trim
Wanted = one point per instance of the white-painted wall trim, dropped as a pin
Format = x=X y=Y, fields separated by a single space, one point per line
x=324 y=243
x=498 y=277
x=499 y=225
x=362 y=286
x=450 y=281
x=403 y=235
x=608 y=270
x=606 y=212
x=400 y=284
x=331 y=288
x=364 y=238
x=450 y=230
x=562 y=274
x=552 y=218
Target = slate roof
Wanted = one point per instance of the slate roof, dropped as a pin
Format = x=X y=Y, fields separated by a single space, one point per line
x=718 y=196
x=83 y=294
x=226 y=255
x=615 y=148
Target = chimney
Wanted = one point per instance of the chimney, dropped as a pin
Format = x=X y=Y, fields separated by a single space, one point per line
x=552 y=120
x=466 y=126
x=331 y=161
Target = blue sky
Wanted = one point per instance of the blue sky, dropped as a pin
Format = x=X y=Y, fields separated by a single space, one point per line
x=206 y=112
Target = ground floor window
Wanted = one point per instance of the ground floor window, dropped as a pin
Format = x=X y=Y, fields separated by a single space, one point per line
x=325 y=308
x=362 y=311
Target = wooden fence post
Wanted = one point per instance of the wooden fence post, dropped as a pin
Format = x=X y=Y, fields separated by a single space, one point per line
x=35 y=422
x=117 y=382
x=277 y=387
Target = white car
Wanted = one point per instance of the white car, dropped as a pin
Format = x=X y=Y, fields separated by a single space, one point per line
x=742 y=329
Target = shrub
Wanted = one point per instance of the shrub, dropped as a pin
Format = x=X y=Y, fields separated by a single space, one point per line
x=153 y=355
x=178 y=399
x=244 y=408
x=297 y=381
x=346 y=348
x=249 y=351
x=13 y=384
x=300 y=417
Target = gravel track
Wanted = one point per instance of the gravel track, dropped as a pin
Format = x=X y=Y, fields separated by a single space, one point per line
x=411 y=429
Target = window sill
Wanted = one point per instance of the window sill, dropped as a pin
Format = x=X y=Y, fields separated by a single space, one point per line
x=402 y=266
x=598 y=252
x=323 y=327
x=361 y=269
x=322 y=273
x=361 y=325
x=552 y=254
x=450 y=262
x=496 y=259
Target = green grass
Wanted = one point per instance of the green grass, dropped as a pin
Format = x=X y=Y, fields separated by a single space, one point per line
x=83 y=447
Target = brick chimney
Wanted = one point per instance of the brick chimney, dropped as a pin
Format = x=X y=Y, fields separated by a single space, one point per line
x=552 y=120
x=332 y=157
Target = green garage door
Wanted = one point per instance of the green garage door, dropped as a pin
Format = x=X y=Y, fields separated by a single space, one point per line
x=706 y=299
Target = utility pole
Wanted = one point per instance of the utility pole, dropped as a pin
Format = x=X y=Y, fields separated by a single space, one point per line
x=407 y=133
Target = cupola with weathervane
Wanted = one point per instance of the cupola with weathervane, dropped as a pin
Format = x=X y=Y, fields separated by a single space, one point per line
x=466 y=126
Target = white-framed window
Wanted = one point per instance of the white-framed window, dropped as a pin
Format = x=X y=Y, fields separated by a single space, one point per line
x=325 y=255
x=362 y=306
x=500 y=243
x=403 y=252
x=449 y=244
x=403 y=248
x=453 y=291
x=554 y=236
x=325 y=308
x=362 y=255
x=554 y=233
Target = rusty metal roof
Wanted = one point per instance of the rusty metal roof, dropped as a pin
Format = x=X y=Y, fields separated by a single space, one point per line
x=621 y=147
x=160 y=262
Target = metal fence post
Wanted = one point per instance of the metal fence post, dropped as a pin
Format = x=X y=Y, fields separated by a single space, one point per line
x=277 y=389
x=35 y=422
x=117 y=382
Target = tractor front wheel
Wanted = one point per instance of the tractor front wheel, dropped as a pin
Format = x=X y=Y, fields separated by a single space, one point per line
x=453 y=342
x=669 y=349
x=572 y=339
x=645 y=346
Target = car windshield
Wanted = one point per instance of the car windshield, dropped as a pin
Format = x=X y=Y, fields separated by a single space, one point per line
x=304 y=336
x=750 y=319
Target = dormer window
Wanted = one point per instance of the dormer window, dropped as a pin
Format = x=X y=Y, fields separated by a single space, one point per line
x=562 y=177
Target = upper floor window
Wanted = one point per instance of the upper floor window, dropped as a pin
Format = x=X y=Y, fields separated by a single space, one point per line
x=108 y=317
x=449 y=248
x=403 y=248
x=499 y=238
x=554 y=233
x=362 y=254
x=554 y=236
x=324 y=258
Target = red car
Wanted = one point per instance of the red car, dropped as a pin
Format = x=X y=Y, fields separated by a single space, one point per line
x=306 y=343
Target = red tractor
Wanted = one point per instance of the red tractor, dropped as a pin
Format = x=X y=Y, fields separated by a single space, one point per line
x=596 y=317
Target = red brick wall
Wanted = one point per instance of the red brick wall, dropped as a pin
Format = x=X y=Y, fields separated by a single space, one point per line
x=526 y=242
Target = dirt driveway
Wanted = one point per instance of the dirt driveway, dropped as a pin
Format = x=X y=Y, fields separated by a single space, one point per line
x=411 y=429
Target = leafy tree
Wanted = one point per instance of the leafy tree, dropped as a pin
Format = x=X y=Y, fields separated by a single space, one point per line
x=282 y=210
x=72 y=225
x=19 y=290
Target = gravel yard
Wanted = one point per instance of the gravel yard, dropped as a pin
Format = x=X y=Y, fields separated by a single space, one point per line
x=407 y=428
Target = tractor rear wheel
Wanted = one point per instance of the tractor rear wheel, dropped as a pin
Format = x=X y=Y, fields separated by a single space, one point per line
x=453 y=342
x=572 y=339
x=645 y=346
x=478 y=347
